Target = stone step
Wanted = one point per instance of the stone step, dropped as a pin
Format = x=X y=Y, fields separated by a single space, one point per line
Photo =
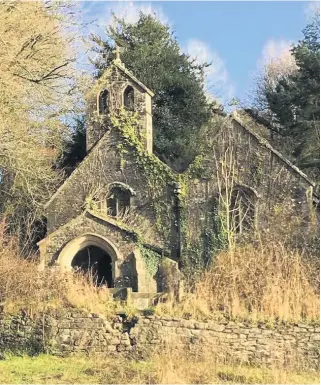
x=140 y=300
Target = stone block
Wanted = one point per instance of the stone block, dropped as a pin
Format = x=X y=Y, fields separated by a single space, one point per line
x=111 y=348
x=65 y=324
x=168 y=323
x=250 y=348
x=289 y=337
x=267 y=332
x=231 y=336
x=114 y=341
x=315 y=337
x=183 y=331
x=249 y=343
x=216 y=327
x=157 y=323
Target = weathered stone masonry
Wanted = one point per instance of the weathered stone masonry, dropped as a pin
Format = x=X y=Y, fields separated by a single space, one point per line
x=76 y=331
x=122 y=189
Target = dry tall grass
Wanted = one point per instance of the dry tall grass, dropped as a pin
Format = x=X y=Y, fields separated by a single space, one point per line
x=22 y=286
x=254 y=282
x=250 y=282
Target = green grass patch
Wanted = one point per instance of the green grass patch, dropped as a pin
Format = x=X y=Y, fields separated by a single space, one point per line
x=99 y=369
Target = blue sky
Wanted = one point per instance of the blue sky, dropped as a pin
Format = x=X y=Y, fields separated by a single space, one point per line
x=236 y=36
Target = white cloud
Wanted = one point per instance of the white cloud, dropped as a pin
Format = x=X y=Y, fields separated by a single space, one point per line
x=276 y=58
x=274 y=49
x=97 y=15
x=217 y=80
x=274 y=62
x=101 y=12
x=130 y=11
x=311 y=9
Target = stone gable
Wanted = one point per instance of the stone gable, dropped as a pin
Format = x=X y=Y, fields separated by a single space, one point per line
x=122 y=196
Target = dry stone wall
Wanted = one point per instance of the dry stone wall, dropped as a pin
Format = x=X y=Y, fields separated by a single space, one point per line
x=242 y=341
x=77 y=331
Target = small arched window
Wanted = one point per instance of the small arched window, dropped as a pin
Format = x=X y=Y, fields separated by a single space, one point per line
x=118 y=201
x=243 y=207
x=103 y=102
x=129 y=98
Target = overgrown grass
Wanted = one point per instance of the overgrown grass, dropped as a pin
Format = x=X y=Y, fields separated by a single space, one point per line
x=23 y=286
x=253 y=282
x=162 y=368
x=262 y=282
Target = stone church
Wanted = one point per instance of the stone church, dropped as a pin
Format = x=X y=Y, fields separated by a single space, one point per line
x=131 y=218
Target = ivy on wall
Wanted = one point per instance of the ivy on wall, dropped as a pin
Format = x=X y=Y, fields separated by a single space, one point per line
x=158 y=175
x=151 y=258
x=159 y=179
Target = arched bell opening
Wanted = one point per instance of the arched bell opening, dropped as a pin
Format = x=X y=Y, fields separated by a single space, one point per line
x=129 y=98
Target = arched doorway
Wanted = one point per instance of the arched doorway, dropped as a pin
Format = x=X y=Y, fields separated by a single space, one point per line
x=97 y=262
x=91 y=252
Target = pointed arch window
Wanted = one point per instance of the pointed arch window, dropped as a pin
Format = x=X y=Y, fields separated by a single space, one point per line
x=104 y=102
x=129 y=98
x=243 y=209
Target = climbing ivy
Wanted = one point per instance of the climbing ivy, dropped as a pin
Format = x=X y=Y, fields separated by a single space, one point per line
x=151 y=258
x=159 y=176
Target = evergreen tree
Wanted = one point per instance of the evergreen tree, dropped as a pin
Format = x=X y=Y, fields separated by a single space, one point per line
x=180 y=107
x=295 y=101
x=74 y=147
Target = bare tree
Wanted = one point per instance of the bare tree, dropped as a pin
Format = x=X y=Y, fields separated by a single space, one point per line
x=39 y=91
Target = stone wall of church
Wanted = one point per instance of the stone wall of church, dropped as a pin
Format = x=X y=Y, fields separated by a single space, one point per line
x=249 y=163
x=89 y=184
x=72 y=331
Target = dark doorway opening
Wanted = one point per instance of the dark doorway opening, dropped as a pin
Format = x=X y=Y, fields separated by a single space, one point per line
x=98 y=262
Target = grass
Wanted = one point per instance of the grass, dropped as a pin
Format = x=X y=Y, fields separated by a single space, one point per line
x=163 y=369
x=23 y=286
x=249 y=282
x=253 y=282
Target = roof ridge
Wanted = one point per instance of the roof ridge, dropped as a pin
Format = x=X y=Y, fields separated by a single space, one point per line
x=264 y=142
x=133 y=77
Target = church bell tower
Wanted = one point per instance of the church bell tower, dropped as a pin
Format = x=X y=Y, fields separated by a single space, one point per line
x=118 y=88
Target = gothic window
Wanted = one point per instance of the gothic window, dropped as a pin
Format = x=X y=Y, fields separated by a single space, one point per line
x=103 y=102
x=118 y=201
x=129 y=98
x=243 y=202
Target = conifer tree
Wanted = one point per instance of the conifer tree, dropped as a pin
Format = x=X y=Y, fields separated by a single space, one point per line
x=180 y=108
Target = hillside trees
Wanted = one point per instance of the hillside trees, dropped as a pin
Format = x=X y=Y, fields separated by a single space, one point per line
x=291 y=101
x=180 y=107
x=38 y=91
